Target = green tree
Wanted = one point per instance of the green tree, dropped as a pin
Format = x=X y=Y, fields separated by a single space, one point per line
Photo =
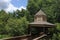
x=3 y=21
x=16 y=27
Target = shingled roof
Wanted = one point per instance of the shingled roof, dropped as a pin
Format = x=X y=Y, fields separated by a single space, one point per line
x=42 y=24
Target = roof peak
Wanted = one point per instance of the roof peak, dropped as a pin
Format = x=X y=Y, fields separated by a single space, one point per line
x=40 y=12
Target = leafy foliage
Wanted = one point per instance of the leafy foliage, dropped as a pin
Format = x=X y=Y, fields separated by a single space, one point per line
x=11 y=24
x=16 y=27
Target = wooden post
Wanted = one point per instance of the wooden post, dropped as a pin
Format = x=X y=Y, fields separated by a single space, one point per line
x=29 y=30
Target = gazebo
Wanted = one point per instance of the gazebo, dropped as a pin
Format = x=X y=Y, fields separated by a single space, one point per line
x=41 y=24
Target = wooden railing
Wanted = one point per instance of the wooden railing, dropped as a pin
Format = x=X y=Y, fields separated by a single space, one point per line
x=24 y=37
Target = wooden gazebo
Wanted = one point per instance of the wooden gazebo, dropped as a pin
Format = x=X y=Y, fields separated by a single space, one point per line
x=40 y=23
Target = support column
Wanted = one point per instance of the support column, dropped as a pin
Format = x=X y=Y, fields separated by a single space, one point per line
x=29 y=30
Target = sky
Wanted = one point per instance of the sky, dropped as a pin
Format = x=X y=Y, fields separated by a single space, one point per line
x=13 y=5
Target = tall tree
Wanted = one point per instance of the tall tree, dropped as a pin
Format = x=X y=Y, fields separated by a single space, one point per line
x=50 y=7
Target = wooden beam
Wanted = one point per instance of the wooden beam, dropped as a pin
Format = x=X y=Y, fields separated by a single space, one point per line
x=40 y=37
